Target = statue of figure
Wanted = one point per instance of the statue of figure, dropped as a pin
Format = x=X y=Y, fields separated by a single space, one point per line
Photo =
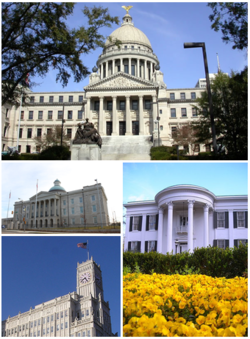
x=87 y=135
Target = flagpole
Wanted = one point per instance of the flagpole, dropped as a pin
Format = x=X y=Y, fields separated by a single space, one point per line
x=8 y=205
x=19 y=122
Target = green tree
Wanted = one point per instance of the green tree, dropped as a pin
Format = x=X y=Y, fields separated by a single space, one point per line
x=229 y=95
x=52 y=138
x=35 y=38
x=232 y=19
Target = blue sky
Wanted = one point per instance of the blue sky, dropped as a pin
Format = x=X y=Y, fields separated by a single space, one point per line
x=142 y=181
x=73 y=175
x=38 y=269
x=167 y=25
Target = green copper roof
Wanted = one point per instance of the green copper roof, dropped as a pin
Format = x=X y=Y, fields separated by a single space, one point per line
x=57 y=186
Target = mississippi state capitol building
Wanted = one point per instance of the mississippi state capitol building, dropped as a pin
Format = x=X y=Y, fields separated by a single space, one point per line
x=83 y=313
x=126 y=97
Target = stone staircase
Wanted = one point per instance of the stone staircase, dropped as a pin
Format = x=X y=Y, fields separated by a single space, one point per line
x=136 y=147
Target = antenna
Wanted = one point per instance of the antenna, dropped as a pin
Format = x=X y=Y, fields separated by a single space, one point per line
x=218 y=62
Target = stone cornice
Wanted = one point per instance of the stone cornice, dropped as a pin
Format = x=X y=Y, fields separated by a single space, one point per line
x=61 y=104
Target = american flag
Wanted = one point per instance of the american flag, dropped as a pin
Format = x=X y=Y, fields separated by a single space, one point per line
x=37 y=186
x=27 y=79
x=10 y=195
x=82 y=245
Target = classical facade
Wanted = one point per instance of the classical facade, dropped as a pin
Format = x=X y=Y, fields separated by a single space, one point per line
x=83 y=313
x=58 y=208
x=126 y=96
x=184 y=217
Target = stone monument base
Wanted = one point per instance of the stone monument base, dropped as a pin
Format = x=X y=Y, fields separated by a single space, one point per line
x=85 y=152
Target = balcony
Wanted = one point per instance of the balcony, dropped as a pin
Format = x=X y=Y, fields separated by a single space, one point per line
x=181 y=229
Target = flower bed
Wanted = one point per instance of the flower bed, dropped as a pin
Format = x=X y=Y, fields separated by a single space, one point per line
x=184 y=305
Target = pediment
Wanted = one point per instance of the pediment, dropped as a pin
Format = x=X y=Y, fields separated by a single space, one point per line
x=43 y=195
x=121 y=80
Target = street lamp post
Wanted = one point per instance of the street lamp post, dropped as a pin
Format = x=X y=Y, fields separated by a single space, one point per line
x=202 y=45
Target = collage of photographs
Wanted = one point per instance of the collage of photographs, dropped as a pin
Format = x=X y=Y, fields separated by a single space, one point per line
x=124 y=169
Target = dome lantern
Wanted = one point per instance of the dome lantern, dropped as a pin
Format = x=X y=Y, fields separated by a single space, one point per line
x=57 y=187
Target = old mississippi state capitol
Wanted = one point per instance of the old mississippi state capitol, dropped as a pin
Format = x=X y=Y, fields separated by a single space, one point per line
x=83 y=313
x=119 y=101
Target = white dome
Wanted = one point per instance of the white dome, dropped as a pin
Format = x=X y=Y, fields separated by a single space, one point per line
x=127 y=33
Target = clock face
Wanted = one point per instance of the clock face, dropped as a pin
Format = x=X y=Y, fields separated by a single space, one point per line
x=85 y=277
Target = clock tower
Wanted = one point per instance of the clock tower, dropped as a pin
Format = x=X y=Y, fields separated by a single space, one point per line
x=89 y=279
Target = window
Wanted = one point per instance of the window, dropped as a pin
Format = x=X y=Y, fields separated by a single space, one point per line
x=60 y=98
x=221 y=219
x=38 y=322
x=66 y=313
x=81 y=209
x=93 y=197
x=64 y=211
x=87 y=313
x=134 y=246
x=183 y=221
x=72 y=210
x=32 y=100
x=83 y=334
x=43 y=318
x=79 y=334
x=151 y=223
x=183 y=96
x=22 y=115
x=172 y=96
x=93 y=208
x=80 y=98
x=222 y=243
x=31 y=324
x=174 y=131
x=160 y=111
x=70 y=114
x=51 y=329
x=82 y=221
x=51 y=98
x=70 y=98
x=50 y=115
x=69 y=133
x=133 y=69
x=173 y=112
x=48 y=319
x=136 y=223
x=73 y=221
x=57 y=327
x=29 y=133
x=41 y=98
x=184 y=112
x=147 y=104
x=72 y=201
x=60 y=115
x=79 y=114
x=150 y=246
x=30 y=115
x=38 y=333
x=122 y=105
x=193 y=95
x=40 y=115
x=96 y=105
x=20 y=133
x=57 y=315
x=135 y=105
x=240 y=219
x=95 y=220
x=61 y=314
x=43 y=331
x=39 y=132
x=80 y=199
x=194 y=112
x=237 y=242
x=125 y=47
x=51 y=318
x=109 y=105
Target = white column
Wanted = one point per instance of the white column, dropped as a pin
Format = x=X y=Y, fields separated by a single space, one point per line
x=206 y=209
x=138 y=68
x=160 y=231
x=54 y=207
x=121 y=69
x=155 y=107
x=170 y=227
x=114 y=117
x=128 y=117
x=102 y=71
x=145 y=70
x=231 y=227
x=141 y=119
x=87 y=113
x=107 y=69
x=190 y=225
x=129 y=66
x=113 y=66
x=151 y=70
x=101 y=117
x=39 y=209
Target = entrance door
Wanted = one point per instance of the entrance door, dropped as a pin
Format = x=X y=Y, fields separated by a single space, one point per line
x=27 y=148
x=109 y=129
x=135 y=127
x=122 y=127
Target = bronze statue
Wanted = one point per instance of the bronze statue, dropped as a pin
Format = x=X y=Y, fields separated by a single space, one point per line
x=87 y=135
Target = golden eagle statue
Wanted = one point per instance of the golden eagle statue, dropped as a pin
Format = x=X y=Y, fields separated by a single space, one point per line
x=127 y=8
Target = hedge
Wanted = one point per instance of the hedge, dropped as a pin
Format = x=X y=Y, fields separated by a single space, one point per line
x=211 y=261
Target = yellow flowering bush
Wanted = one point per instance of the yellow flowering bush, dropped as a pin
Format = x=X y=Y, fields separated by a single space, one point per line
x=184 y=305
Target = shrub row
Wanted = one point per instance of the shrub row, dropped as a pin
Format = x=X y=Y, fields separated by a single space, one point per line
x=51 y=153
x=211 y=261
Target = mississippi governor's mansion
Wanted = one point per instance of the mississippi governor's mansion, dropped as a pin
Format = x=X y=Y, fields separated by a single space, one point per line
x=184 y=217
x=126 y=98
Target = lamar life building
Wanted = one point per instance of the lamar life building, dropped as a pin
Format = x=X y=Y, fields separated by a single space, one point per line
x=58 y=208
x=118 y=101
x=78 y=314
